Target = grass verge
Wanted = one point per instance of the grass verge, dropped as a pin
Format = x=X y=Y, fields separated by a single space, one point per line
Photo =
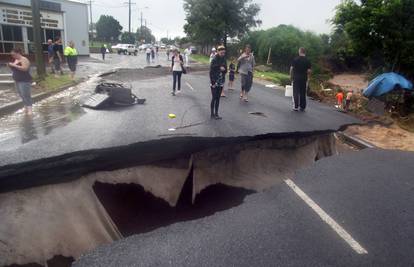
x=52 y=83
x=201 y=58
x=273 y=76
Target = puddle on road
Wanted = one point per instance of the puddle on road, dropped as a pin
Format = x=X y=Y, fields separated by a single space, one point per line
x=49 y=114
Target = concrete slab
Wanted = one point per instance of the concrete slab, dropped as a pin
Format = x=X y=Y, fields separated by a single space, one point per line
x=362 y=191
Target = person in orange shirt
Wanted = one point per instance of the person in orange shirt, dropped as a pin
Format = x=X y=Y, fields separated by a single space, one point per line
x=340 y=99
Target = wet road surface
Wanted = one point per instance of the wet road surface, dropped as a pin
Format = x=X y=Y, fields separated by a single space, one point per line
x=362 y=192
x=61 y=109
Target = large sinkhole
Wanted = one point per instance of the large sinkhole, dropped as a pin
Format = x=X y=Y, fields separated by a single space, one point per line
x=53 y=225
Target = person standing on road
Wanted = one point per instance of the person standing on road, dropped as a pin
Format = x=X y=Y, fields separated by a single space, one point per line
x=71 y=55
x=213 y=54
x=232 y=72
x=168 y=54
x=218 y=70
x=148 y=53
x=177 y=63
x=58 y=56
x=152 y=54
x=300 y=72
x=20 y=68
x=50 y=54
x=103 y=51
x=187 y=53
x=245 y=68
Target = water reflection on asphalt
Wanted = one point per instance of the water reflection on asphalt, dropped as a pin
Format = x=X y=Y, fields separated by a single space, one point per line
x=61 y=109
x=56 y=111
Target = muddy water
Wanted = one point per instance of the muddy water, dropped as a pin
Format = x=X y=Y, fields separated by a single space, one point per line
x=53 y=112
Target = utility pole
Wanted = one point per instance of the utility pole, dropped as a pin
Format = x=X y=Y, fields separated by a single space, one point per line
x=146 y=29
x=40 y=63
x=129 y=3
x=141 y=22
x=129 y=25
x=91 y=20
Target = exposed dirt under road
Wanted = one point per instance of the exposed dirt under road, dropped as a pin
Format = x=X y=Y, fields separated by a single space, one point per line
x=349 y=81
x=387 y=137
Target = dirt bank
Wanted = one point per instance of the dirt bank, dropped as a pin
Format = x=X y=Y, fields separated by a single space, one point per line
x=387 y=137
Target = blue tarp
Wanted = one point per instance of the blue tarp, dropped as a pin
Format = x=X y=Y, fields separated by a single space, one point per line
x=385 y=83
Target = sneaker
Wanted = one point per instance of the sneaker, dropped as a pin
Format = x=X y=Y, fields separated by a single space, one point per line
x=217 y=117
x=302 y=110
x=173 y=93
x=212 y=116
x=178 y=91
x=295 y=109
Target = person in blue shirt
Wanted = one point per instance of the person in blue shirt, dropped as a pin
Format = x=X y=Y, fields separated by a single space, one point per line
x=50 y=54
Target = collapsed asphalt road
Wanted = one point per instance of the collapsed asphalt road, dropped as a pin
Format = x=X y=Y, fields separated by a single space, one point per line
x=364 y=192
x=145 y=130
x=136 y=145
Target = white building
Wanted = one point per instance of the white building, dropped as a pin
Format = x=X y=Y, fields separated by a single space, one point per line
x=59 y=18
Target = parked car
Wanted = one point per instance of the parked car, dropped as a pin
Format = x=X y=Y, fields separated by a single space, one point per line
x=193 y=50
x=119 y=48
x=132 y=50
x=144 y=47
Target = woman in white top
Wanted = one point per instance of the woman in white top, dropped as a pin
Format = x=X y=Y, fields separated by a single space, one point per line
x=177 y=70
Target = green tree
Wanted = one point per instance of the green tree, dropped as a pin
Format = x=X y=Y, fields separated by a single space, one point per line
x=283 y=42
x=167 y=41
x=128 y=38
x=380 y=30
x=108 y=28
x=145 y=35
x=214 y=21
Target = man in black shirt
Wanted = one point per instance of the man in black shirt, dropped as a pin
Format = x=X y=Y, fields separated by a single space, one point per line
x=218 y=70
x=58 y=55
x=300 y=72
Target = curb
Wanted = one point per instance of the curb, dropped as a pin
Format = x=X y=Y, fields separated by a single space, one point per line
x=358 y=142
x=16 y=105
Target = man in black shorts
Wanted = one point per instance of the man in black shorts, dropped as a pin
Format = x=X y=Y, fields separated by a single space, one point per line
x=300 y=72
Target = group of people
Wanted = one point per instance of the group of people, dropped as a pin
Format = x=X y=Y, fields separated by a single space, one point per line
x=218 y=71
x=20 y=67
x=300 y=72
x=57 y=55
x=151 y=53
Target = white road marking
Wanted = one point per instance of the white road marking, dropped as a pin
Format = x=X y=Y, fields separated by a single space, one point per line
x=326 y=218
x=189 y=85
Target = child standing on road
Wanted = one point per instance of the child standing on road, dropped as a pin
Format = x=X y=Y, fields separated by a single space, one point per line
x=232 y=72
x=349 y=95
x=340 y=99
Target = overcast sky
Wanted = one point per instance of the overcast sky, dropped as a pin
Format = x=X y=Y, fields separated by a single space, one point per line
x=168 y=15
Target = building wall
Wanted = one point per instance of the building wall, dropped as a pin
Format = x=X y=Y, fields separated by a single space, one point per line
x=75 y=22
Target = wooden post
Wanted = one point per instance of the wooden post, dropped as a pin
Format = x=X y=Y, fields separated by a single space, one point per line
x=268 y=57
